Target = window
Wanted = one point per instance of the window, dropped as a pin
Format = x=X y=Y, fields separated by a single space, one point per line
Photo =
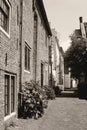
x=9 y=93
x=12 y=93
x=27 y=57
x=6 y=95
x=4 y=15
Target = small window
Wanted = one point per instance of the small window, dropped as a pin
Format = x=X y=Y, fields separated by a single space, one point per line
x=27 y=57
x=4 y=15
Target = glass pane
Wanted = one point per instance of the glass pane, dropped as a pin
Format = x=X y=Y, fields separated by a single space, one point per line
x=12 y=92
x=4 y=15
x=28 y=59
x=6 y=93
x=25 y=57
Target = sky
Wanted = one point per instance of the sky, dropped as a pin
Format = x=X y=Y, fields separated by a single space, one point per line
x=64 y=17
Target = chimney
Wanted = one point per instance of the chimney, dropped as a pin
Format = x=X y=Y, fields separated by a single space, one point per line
x=81 y=19
x=82 y=27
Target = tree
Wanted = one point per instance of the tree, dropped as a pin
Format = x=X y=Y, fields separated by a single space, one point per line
x=76 y=57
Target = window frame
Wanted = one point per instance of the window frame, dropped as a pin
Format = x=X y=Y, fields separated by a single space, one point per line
x=27 y=57
x=10 y=112
x=7 y=33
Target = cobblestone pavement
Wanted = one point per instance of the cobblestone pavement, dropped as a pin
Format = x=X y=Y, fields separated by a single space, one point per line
x=63 y=113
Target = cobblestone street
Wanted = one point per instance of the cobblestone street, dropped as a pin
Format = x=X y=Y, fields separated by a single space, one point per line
x=63 y=113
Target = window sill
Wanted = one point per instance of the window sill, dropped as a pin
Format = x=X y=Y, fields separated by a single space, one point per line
x=27 y=71
x=7 y=34
x=9 y=116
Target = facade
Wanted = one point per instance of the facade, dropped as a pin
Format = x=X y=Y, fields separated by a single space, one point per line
x=67 y=76
x=55 y=57
x=61 y=69
x=41 y=42
x=24 y=52
x=57 y=61
x=9 y=60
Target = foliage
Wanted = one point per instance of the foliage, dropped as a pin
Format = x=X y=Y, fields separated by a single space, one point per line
x=82 y=90
x=32 y=100
x=49 y=92
x=57 y=90
x=35 y=99
x=76 y=57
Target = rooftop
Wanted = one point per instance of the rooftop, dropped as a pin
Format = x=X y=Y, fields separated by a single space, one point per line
x=44 y=16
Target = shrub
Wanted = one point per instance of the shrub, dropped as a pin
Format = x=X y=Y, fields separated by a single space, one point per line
x=57 y=90
x=82 y=90
x=32 y=100
x=35 y=99
x=49 y=92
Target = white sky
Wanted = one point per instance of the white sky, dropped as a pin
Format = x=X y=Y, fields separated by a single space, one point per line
x=64 y=17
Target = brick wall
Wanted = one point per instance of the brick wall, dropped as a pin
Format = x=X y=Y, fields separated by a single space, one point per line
x=27 y=36
x=42 y=51
x=9 y=49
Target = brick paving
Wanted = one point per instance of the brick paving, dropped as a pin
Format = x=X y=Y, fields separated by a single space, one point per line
x=63 y=113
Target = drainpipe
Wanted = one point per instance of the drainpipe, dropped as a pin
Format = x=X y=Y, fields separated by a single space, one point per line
x=51 y=66
x=20 y=62
x=21 y=25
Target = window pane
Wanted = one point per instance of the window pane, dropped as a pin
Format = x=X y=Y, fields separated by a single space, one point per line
x=4 y=15
x=12 y=93
x=6 y=94
x=27 y=58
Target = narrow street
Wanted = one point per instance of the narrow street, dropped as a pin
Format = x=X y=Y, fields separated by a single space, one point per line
x=63 y=113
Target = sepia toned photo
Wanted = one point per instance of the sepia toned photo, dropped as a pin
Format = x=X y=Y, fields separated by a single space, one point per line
x=43 y=65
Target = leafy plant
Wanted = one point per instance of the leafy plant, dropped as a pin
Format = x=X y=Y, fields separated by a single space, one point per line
x=32 y=100
x=76 y=57
x=49 y=91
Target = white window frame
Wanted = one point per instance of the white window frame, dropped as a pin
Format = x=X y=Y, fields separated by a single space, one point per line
x=11 y=113
x=9 y=20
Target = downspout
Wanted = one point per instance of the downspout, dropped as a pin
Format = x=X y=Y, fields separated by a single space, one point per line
x=20 y=60
x=51 y=65
x=21 y=25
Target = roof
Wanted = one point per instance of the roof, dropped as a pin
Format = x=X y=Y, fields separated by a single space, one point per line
x=44 y=16
x=78 y=32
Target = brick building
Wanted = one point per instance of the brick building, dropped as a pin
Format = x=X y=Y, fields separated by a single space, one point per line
x=57 y=61
x=24 y=56
x=55 y=57
x=41 y=43
x=9 y=60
